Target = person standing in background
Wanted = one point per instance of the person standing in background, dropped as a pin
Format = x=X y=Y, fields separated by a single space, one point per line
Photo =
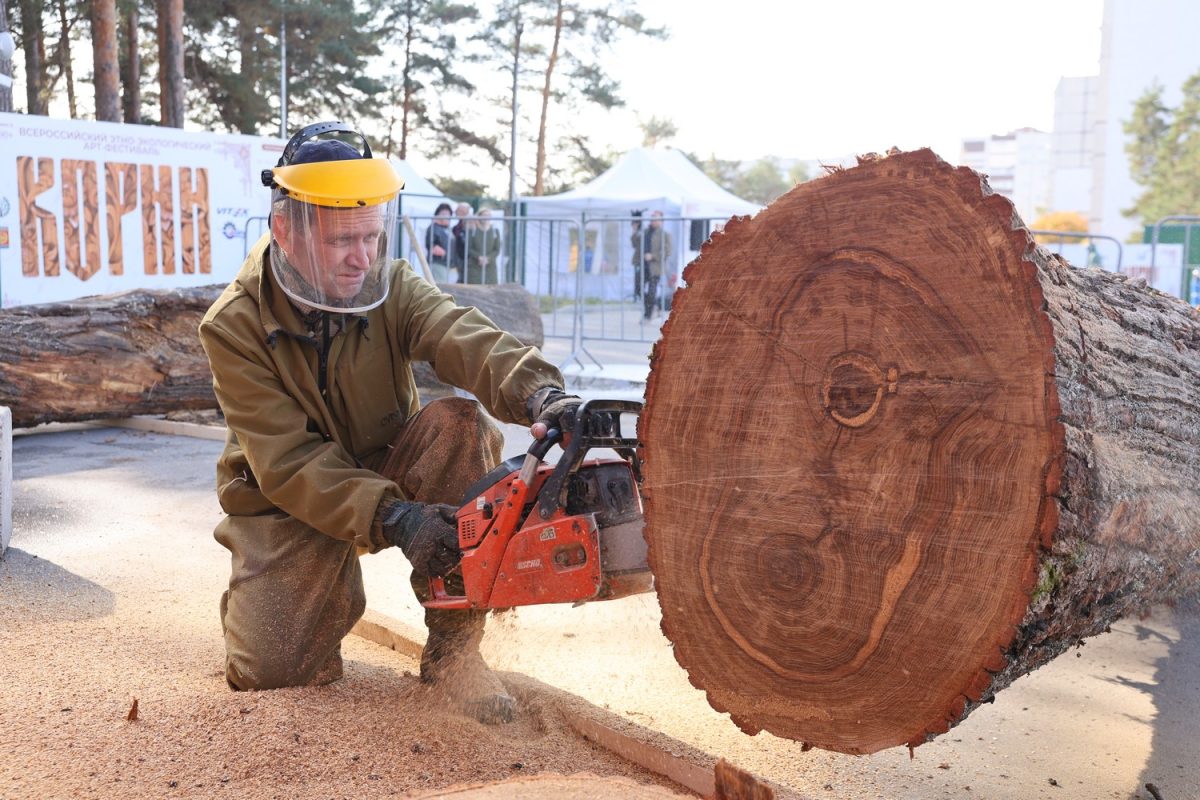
x=635 y=240
x=461 y=233
x=438 y=242
x=656 y=251
x=483 y=251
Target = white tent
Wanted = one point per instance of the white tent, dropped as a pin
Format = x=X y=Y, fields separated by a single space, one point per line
x=418 y=200
x=645 y=180
x=642 y=181
x=419 y=197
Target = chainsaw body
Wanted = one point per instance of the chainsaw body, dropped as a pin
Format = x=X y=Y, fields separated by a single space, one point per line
x=570 y=532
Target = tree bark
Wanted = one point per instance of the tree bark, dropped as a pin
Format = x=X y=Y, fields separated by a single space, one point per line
x=131 y=71
x=64 y=54
x=33 y=42
x=138 y=353
x=944 y=456
x=406 y=77
x=170 y=62
x=539 y=186
x=5 y=66
x=104 y=52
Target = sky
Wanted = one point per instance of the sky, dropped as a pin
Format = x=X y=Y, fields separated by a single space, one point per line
x=743 y=79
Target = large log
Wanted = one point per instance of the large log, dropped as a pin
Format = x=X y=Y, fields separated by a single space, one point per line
x=898 y=456
x=137 y=352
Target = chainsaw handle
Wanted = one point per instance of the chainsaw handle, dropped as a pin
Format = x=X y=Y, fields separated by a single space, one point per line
x=597 y=424
x=440 y=598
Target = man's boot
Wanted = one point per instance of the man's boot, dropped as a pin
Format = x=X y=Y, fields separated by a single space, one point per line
x=451 y=661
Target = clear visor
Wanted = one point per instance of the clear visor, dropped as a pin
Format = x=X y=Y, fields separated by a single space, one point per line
x=334 y=259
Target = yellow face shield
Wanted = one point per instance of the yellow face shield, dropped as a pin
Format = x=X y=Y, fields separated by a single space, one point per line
x=333 y=214
x=333 y=257
x=339 y=184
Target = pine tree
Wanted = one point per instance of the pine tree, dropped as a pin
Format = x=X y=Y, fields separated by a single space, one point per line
x=426 y=38
x=580 y=35
x=233 y=61
x=1164 y=153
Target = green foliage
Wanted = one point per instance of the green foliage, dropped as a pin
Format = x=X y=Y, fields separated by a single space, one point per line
x=799 y=173
x=467 y=189
x=1164 y=153
x=657 y=130
x=723 y=172
x=233 y=61
x=762 y=182
x=560 y=63
x=424 y=55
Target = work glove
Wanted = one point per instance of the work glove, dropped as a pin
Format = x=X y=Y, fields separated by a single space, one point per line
x=552 y=408
x=426 y=533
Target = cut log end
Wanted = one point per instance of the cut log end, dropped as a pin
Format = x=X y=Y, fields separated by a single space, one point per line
x=846 y=523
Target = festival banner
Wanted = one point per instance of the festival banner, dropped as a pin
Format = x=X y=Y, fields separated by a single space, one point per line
x=92 y=208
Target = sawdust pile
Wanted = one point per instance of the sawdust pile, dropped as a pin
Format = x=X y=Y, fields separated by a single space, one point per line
x=70 y=679
x=99 y=606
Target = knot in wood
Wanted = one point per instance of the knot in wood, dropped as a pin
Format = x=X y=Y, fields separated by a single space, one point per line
x=854 y=387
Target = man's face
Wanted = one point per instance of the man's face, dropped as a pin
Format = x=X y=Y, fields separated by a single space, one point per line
x=442 y=218
x=337 y=250
x=656 y=220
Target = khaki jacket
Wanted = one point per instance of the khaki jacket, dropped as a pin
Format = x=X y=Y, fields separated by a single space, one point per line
x=291 y=454
x=658 y=243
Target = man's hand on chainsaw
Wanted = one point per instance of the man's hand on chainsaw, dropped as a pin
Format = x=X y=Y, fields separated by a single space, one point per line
x=552 y=408
x=426 y=533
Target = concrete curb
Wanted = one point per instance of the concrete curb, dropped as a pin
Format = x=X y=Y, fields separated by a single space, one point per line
x=145 y=423
x=6 y=478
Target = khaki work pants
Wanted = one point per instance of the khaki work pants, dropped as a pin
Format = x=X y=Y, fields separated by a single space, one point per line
x=284 y=622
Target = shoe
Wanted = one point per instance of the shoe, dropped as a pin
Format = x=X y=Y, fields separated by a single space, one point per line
x=452 y=662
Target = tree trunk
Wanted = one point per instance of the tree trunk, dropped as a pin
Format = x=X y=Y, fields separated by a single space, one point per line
x=131 y=72
x=34 y=44
x=518 y=29
x=104 y=52
x=944 y=456
x=406 y=76
x=170 y=62
x=6 y=70
x=539 y=186
x=64 y=54
x=138 y=353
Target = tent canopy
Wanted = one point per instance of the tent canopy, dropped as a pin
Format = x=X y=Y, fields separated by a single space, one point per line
x=419 y=197
x=645 y=180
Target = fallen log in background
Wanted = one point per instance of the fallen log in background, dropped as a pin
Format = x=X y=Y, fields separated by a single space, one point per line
x=138 y=352
x=897 y=456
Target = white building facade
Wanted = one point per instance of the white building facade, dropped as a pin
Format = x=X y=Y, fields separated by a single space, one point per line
x=1143 y=42
x=1073 y=144
x=1017 y=165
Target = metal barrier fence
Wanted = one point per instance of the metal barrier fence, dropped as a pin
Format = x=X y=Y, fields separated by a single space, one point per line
x=624 y=296
x=540 y=253
x=1089 y=237
x=588 y=275
x=1189 y=276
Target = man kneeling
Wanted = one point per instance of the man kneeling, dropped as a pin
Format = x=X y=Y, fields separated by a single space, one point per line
x=329 y=453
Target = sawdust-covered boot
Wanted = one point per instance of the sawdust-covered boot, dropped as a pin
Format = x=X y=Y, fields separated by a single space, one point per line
x=451 y=661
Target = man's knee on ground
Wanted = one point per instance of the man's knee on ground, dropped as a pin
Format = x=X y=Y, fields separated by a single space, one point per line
x=275 y=670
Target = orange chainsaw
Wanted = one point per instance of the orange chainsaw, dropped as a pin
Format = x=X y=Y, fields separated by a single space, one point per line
x=533 y=532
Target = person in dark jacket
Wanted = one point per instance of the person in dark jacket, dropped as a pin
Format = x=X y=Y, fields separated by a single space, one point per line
x=439 y=244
